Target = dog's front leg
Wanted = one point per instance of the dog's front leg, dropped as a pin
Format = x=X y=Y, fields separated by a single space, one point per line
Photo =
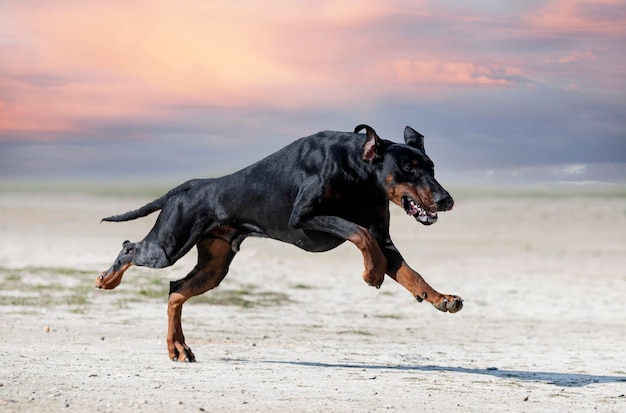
x=422 y=291
x=303 y=216
x=374 y=260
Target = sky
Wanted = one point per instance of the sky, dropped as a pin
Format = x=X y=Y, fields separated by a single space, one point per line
x=530 y=90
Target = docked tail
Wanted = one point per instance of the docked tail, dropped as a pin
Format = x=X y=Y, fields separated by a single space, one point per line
x=147 y=209
x=153 y=206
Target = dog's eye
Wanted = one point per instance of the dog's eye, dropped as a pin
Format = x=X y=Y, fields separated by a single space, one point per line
x=407 y=167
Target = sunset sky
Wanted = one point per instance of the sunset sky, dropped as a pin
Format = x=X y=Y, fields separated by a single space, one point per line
x=144 y=89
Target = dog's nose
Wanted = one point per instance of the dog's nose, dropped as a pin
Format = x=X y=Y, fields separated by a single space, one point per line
x=450 y=204
x=445 y=202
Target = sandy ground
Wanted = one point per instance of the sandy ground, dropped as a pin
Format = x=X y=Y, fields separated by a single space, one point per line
x=543 y=328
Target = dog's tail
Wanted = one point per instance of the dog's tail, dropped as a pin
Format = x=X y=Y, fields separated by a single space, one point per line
x=147 y=209
x=153 y=206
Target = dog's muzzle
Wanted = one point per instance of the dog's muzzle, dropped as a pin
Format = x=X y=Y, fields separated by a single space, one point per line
x=421 y=214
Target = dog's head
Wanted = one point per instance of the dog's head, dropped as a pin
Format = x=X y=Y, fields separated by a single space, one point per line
x=407 y=174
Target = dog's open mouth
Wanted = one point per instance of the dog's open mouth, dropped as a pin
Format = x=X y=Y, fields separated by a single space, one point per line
x=414 y=209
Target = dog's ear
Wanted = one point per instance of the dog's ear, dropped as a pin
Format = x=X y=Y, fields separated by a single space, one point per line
x=414 y=138
x=372 y=147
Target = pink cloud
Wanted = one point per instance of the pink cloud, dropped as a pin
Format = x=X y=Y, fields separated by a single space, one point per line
x=128 y=59
x=570 y=16
x=167 y=49
x=576 y=56
x=352 y=11
x=73 y=61
x=122 y=60
x=450 y=73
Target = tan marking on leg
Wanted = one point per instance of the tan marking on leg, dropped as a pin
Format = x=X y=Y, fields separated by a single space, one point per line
x=374 y=260
x=214 y=257
x=421 y=290
x=110 y=281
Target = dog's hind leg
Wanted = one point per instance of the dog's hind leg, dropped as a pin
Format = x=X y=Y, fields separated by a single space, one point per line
x=214 y=258
x=144 y=253
x=112 y=277
x=173 y=235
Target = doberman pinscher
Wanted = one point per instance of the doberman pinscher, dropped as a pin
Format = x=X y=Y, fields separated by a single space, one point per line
x=315 y=193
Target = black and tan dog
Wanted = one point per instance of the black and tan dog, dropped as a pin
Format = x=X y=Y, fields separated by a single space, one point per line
x=315 y=193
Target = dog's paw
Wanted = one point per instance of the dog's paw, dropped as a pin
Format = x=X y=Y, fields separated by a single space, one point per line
x=373 y=279
x=449 y=303
x=179 y=351
x=111 y=278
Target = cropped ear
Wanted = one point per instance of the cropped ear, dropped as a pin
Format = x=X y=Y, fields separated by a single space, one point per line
x=372 y=147
x=414 y=138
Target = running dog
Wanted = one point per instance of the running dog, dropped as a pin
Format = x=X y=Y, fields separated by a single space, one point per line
x=315 y=193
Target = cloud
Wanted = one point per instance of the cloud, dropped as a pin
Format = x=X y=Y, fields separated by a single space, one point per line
x=128 y=59
x=579 y=16
x=569 y=170
x=580 y=174
x=576 y=56
x=494 y=83
x=449 y=73
x=73 y=61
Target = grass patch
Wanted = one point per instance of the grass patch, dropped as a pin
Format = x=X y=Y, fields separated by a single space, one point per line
x=45 y=300
x=389 y=316
x=245 y=298
x=149 y=286
x=66 y=287
x=44 y=287
x=356 y=332
x=13 y=278
x=153 y=292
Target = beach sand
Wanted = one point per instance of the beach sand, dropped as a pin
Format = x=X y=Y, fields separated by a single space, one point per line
x=543 y=328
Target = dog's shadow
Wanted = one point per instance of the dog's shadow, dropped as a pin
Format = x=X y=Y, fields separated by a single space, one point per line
x=554 y=378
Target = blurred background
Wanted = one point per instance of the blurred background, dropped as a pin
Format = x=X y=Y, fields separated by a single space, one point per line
x=505 y=92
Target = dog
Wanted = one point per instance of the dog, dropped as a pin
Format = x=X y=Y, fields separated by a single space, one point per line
x=316 y=193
